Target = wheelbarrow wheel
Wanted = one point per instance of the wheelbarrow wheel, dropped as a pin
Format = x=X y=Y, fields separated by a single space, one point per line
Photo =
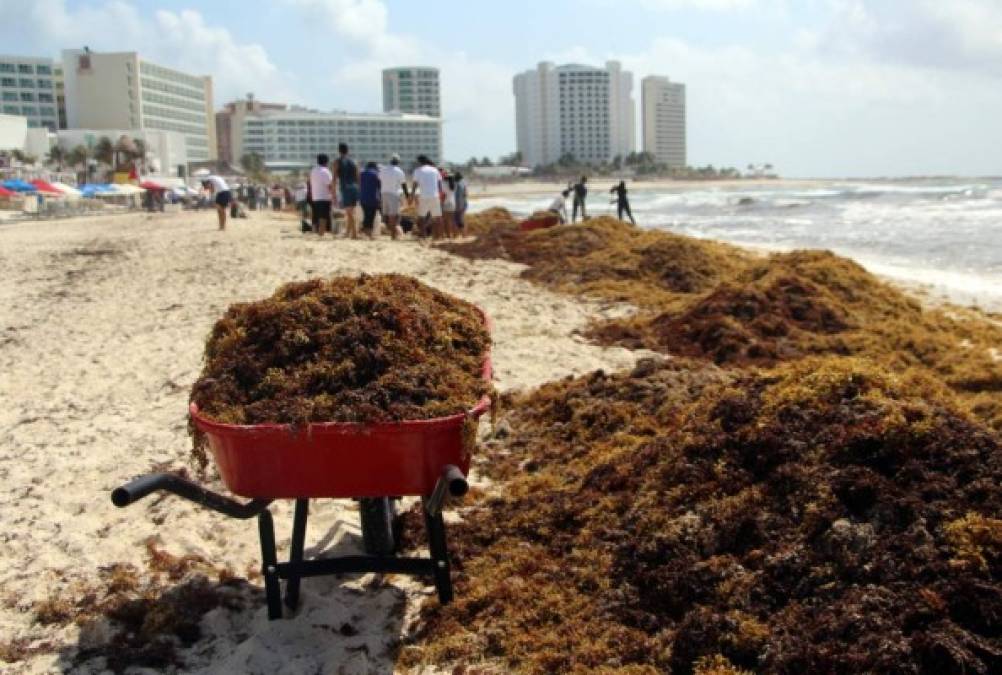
x=378 y=525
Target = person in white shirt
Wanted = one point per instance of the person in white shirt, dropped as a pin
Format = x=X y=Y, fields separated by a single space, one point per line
x=428 y=185
x=221 y=190
x=559 y=206
x=391 y=180
x=449 y=205
x=321 y=194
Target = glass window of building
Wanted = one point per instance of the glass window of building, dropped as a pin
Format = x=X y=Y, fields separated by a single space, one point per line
x=25 y=68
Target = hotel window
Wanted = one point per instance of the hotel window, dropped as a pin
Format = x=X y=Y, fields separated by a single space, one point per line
x=28 y=111
x=28 y=97
x=43 y=70
x=7 y=68
x=25 y=68
x=11 y=110
x=45 y=84
x=26 y=83
x=10 y=96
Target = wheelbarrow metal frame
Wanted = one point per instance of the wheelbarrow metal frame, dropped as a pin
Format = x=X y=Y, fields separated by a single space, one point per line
x=452 y=482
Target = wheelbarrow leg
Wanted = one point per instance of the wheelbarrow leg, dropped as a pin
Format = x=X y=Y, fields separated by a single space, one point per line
x=296 y=555
x=269 y=558
x=439 y=555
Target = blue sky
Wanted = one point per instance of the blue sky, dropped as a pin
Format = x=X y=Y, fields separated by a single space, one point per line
x=815 y=87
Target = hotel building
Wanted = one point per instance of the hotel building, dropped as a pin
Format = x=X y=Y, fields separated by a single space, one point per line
x=290 y=138
x=663 y=105
x=122 y=91
x=412 y=90
x=576 y=110
x=28 y=89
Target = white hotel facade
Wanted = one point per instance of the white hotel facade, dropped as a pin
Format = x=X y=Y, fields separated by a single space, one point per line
x=663 y=104
x=122 y=91
x=29 y=89
x=574 y=109
x=290 y=138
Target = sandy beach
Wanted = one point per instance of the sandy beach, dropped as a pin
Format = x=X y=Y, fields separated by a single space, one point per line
x=101 y=336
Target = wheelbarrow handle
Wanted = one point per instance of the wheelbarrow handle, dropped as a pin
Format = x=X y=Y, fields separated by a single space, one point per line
x=458 y=486
x=138 y=488
x=451 y=482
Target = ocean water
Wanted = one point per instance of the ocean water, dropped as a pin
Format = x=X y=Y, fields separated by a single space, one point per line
x=944 y=234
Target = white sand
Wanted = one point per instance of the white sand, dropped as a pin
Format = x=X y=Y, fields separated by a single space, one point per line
x=102 y=323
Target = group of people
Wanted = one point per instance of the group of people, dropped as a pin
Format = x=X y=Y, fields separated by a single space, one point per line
x=580 y=191
x=258 y=197
x=439 y=197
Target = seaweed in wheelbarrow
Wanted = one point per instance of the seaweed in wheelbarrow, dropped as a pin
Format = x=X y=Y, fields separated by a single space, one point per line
x=368 y=349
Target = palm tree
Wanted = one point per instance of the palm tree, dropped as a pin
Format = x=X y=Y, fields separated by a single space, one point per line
x=77 y=158
x=57 y=156
x=140 y=153
x=253 y=164
x=104 y=151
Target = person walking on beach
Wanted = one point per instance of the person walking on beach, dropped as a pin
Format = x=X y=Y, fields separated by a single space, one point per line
x=277 y=193
x=622 y=203
x=427 y=186
x=320 y=188
x=368 y=184
x=449 y=204
x=221 y=190
x=391 y=180
x=262 y=197
x=559 y=206
x=346 y=173
x=580 y=195
x=462 y=202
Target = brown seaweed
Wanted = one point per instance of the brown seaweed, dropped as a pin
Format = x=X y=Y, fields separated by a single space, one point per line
x=150 y=613
x=711 y=301
x=824 y=516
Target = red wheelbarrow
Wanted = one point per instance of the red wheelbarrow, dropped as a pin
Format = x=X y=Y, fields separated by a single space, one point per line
x=374 y=463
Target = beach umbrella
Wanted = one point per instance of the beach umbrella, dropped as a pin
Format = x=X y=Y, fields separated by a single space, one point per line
x=151 y=185
x=128 y=189
x=109 y=190
x=5 y=193
x=67 y=190
x=91 y=190
x=18 y=185
x=46 y=188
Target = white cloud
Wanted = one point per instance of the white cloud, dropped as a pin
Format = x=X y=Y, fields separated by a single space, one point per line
x=477 y=101
x=180 y=39
x=959 y=34
x=800 y=110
